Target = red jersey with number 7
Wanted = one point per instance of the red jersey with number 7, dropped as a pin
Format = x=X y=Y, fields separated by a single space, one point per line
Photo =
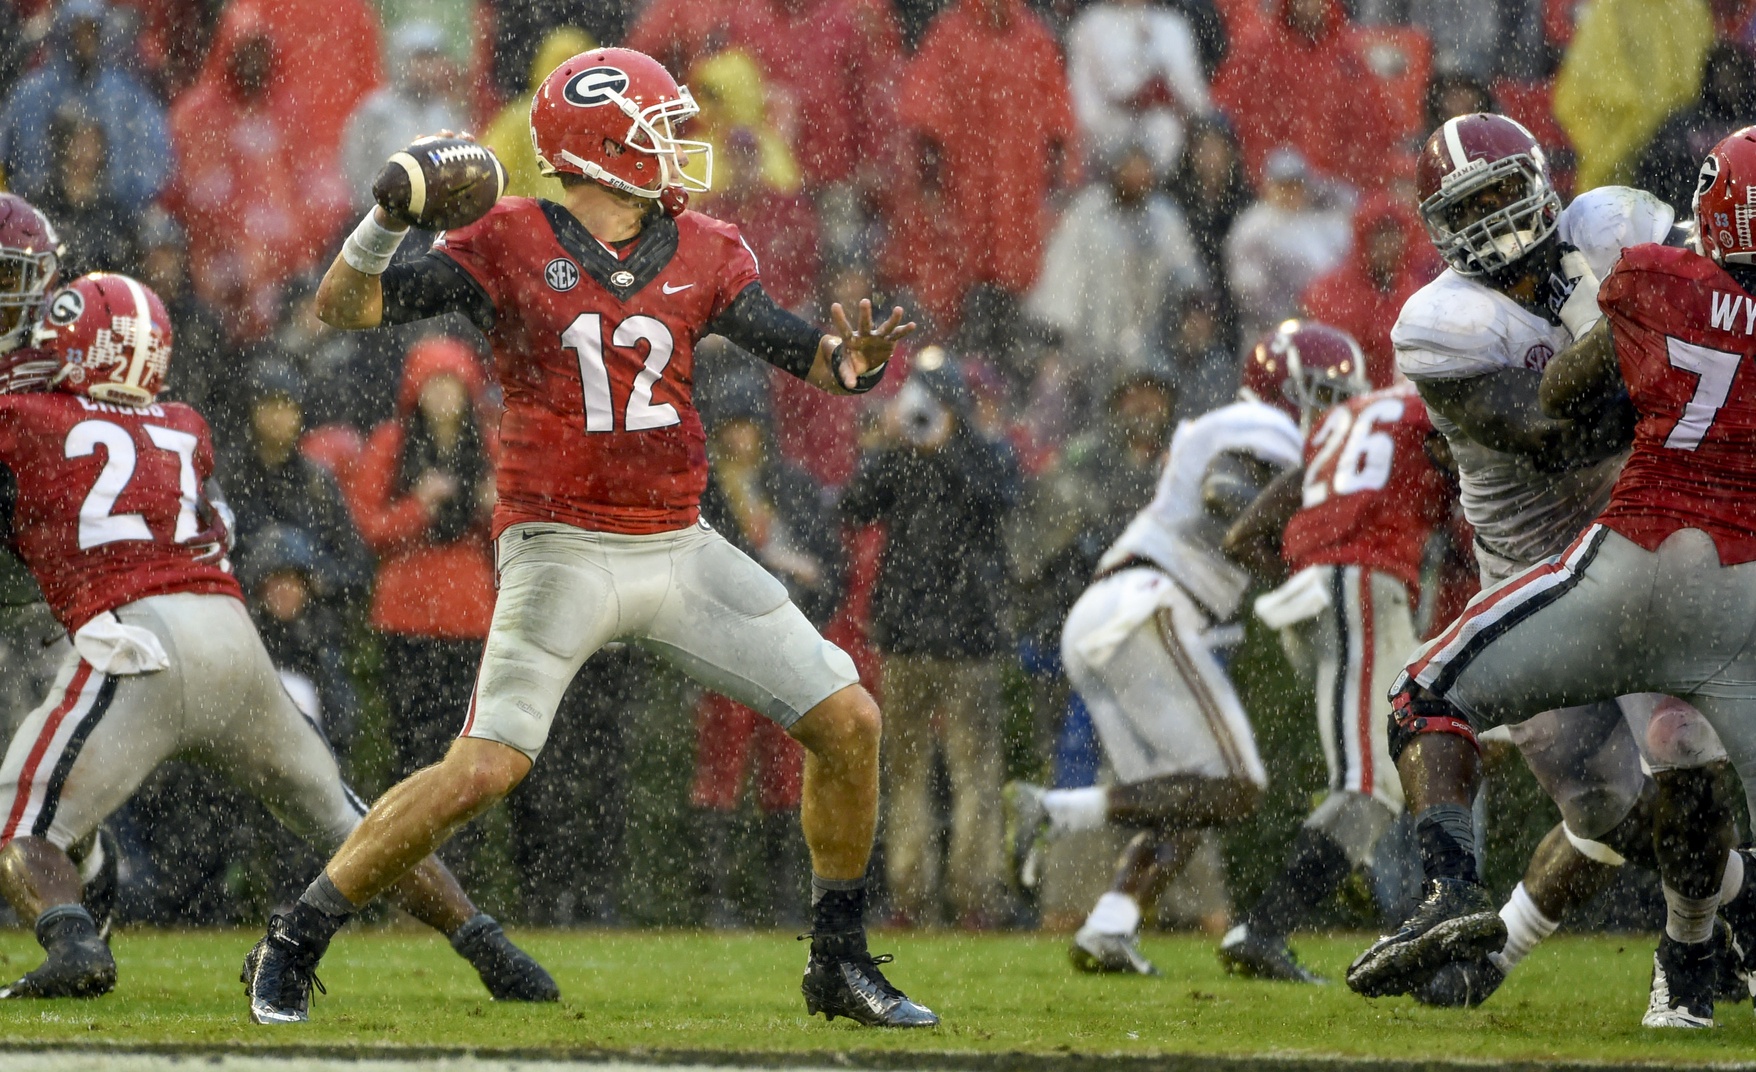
x=104 y=500
x=1371 y=496
x=1685 y=331
x=595 y=351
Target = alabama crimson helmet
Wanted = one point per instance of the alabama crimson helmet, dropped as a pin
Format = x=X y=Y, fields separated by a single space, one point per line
x=1468 y=156
x=1303 y=367
x=113 y=337
x=30 y=253
x=1725 y=199
x=612 y=115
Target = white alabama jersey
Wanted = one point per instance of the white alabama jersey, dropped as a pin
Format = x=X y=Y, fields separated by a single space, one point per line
x=1170 y=532
x=1456 y=327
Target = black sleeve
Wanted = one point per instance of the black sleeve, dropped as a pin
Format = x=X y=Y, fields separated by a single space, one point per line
x=432 y=285
x=754 y=322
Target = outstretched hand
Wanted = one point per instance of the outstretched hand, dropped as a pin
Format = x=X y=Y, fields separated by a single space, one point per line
x=865 y=347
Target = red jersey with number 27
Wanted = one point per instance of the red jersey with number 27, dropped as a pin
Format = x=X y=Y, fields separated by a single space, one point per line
x=595 y=351
x=1371 y=496
x=1685 y=334
x=105 y=501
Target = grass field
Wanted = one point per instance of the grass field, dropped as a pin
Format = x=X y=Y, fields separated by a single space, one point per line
x=1576 y=999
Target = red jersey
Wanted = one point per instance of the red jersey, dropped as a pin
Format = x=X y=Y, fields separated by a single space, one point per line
x=1371 y=497
x=595 y=351
x=104 y=496
x=1685 y=332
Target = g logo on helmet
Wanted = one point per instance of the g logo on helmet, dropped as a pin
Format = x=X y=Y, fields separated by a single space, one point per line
x=66 y=307
x=593 y=86
x=1709 y=172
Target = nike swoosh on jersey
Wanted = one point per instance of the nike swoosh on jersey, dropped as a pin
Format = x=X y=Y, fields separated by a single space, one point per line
x=668 y=289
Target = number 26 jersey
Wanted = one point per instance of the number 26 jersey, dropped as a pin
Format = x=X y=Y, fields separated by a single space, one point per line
x=104 y=500
x=594 y=349
x=1371 y=497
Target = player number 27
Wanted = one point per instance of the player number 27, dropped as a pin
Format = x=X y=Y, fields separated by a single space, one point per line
x=1365 y=453
x=585 y=337
x=97 y=525
x=1717 y=369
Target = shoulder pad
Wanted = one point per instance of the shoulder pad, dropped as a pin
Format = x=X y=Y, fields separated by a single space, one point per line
x=1449 y=329
x=1601 y=223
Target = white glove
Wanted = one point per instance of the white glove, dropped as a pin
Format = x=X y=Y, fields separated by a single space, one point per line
x=1579 y=312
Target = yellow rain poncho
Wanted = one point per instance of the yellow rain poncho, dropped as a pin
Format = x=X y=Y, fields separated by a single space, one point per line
x=1631 y=63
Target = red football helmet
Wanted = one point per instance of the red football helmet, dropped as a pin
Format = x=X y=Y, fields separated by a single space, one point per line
x=30 y=253
x=1303 y=367
x=25 y=369
x=1485 y=192
x=612 y=115
x=113 y=338
x=1725 y=199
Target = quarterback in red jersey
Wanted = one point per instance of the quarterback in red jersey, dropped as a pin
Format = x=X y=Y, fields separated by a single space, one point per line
x=108 y=500
x=1352 y=524
x=593 y=307
x=1659 y=594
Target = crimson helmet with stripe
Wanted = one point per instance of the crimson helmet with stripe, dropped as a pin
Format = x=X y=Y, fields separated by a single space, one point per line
x=1303 y=367
x=1725 y=199
x=1485 y=191
x=30 y=253
x=112 y=336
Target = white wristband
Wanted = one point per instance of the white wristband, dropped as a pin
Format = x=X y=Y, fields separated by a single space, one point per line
x=371 y=245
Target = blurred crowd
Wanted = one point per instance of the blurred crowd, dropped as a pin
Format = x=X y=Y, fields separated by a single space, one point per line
x=1092 y=208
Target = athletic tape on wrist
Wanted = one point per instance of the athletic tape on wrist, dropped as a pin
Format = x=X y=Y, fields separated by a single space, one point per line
x=371 y=245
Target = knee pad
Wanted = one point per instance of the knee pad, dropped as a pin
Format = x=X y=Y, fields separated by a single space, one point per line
x=1679 y=736
x=1411 y=716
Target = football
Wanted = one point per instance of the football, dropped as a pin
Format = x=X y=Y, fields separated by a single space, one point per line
x=440 y=183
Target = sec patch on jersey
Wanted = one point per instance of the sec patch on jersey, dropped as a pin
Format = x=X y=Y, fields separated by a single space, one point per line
x=440 y=183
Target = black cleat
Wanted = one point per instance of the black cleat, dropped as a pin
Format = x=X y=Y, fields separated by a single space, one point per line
x=1738 y=957
x=279 y=974
x=850 y=985
x=99 y=895
x=1458 y=921
x=509 y=973
x=1682 y=984
x=1462 y=984
x=79 y=964
x=1263 y=956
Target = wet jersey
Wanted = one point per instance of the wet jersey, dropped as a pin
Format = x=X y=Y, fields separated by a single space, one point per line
x=1175 y=532
x=1371 y=496
x=1457 y=327
x=1685 y=334
x=594 y=349
x=104 y=500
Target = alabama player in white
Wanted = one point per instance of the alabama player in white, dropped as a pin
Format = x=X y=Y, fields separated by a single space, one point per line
x=593 y=306
x=108 y=501
x=1145 y=646
x=1520 y=286
x=1658 y=594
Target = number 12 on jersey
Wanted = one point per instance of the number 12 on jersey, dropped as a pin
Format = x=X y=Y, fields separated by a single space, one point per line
x=585 y=337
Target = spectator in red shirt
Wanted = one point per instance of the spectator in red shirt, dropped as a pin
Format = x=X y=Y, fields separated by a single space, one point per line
x=986 y=103
x=1302 y=80
x=420 y=494
x=1365 y=293
x=258 y=185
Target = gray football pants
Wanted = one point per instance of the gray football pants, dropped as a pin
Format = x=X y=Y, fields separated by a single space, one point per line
x=85 y=750
x=1605 y=619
